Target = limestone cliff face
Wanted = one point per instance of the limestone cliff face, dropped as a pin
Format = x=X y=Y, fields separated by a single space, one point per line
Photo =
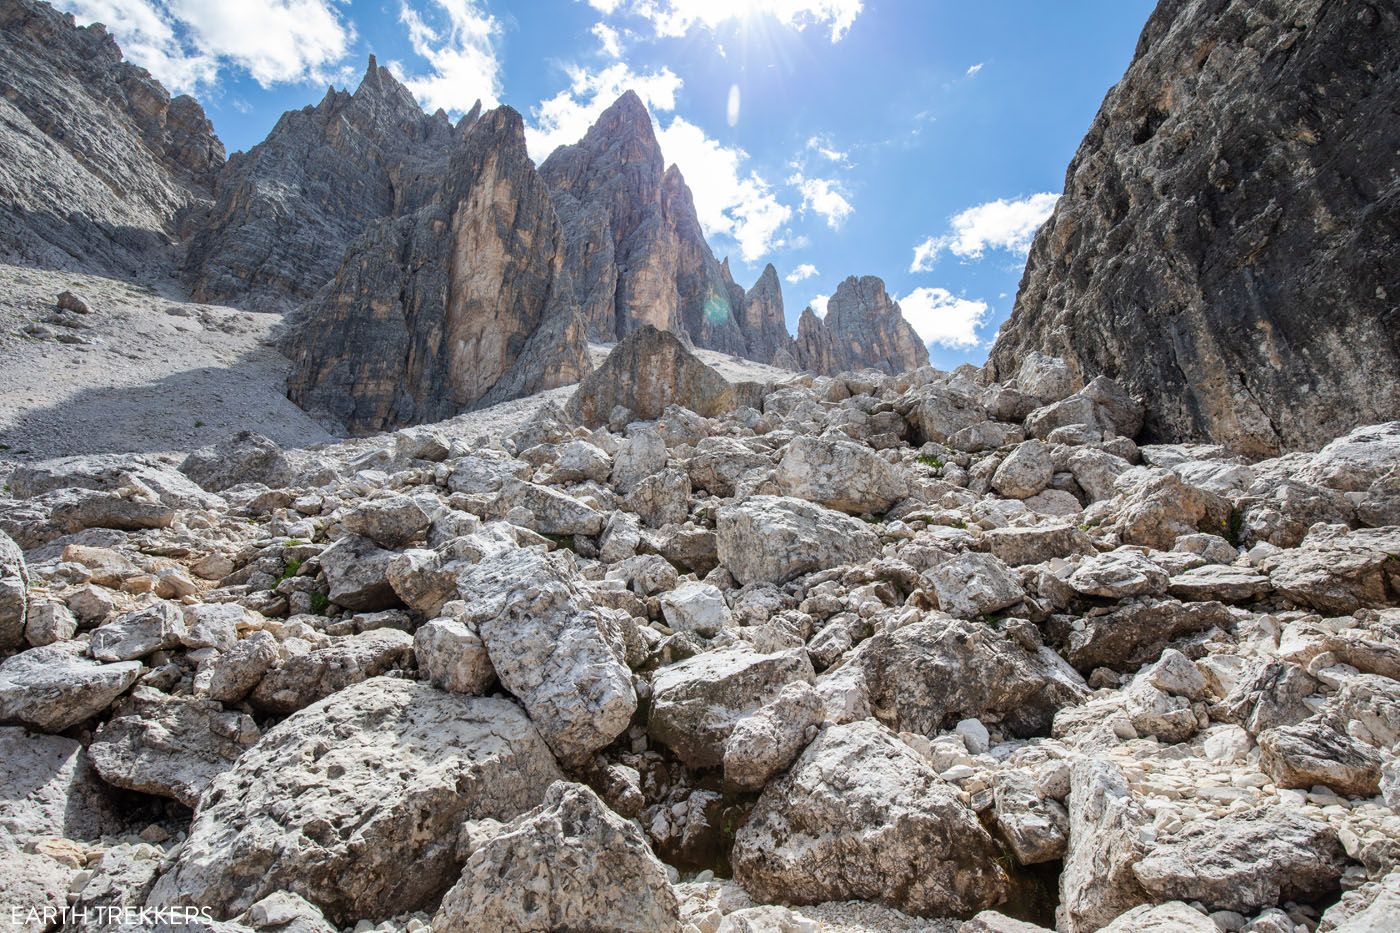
x=863 y=329
x=465 y=301
x=635 y=248
x=99 y=159
x=1228 y=244
x=763 y=320
x=288 y=208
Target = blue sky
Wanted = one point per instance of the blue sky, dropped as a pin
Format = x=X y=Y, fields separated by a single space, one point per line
x=918 y=140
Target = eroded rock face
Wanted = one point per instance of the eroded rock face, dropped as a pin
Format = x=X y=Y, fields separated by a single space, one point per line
x=334 y=801
x=599 y=872
x=100 y=158
x=860 y=815
x=463 y=301
x=1267 y=118
x=286 y=209
x=634 y=247
x=863 y=329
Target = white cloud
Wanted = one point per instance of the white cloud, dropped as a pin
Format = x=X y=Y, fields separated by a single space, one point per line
x=999 y=224
x=938 y=316
x=731 y=199
x=974 y=69
x=610 y=39
x=804 y=271
x=823 y=147
x=185 y=43
x=606 y=7
x=677 y=17
x=818 y=304
x=825 y=197
x=564 y=118
x=458 y=40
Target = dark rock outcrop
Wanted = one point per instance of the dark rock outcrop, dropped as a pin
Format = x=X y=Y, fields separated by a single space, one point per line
x=287 y=209
x=649 y=370
x=462 y=302
x=635 y=248
x=99 y=159
x=1228 y=246
x=863 y=329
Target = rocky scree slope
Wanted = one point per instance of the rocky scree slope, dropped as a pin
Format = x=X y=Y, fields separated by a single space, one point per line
x=100 y=161
x=1227 y=243
x=876 y=652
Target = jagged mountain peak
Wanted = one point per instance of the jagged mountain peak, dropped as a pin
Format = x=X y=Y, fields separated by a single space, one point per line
x=863 y=328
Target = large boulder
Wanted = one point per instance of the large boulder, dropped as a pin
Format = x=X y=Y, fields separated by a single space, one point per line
x=927 y=676
x=355 y=803
x=1125 y=636
x=302 y=679
x=552 y=648
x=697 y=702
x=169 y=746
x=357 y=571
x=772 y=539
x=1105 y=841
x=55 y=687
x=1245 y=861
x=570 y=864
x=971 y=584
x=840 y=475
x=246 y=457
x=158 y=627
x=863 y=816
x=649 y=370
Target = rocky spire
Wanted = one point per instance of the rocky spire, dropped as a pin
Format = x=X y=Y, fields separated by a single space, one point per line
x=636 y=251
x=863 y=329
x=287 y=208
x=763 y=323
x=1220 y=246
x=461 y=302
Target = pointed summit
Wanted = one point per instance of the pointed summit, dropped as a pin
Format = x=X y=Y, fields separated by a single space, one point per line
x=864 y=328
x=763 y=322
x=354 y=158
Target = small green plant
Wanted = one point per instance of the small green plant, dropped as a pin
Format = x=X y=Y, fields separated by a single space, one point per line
x=290 y=569
x=319 y=602
x=930 y=461
x=198 y=423
x=294 y=542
